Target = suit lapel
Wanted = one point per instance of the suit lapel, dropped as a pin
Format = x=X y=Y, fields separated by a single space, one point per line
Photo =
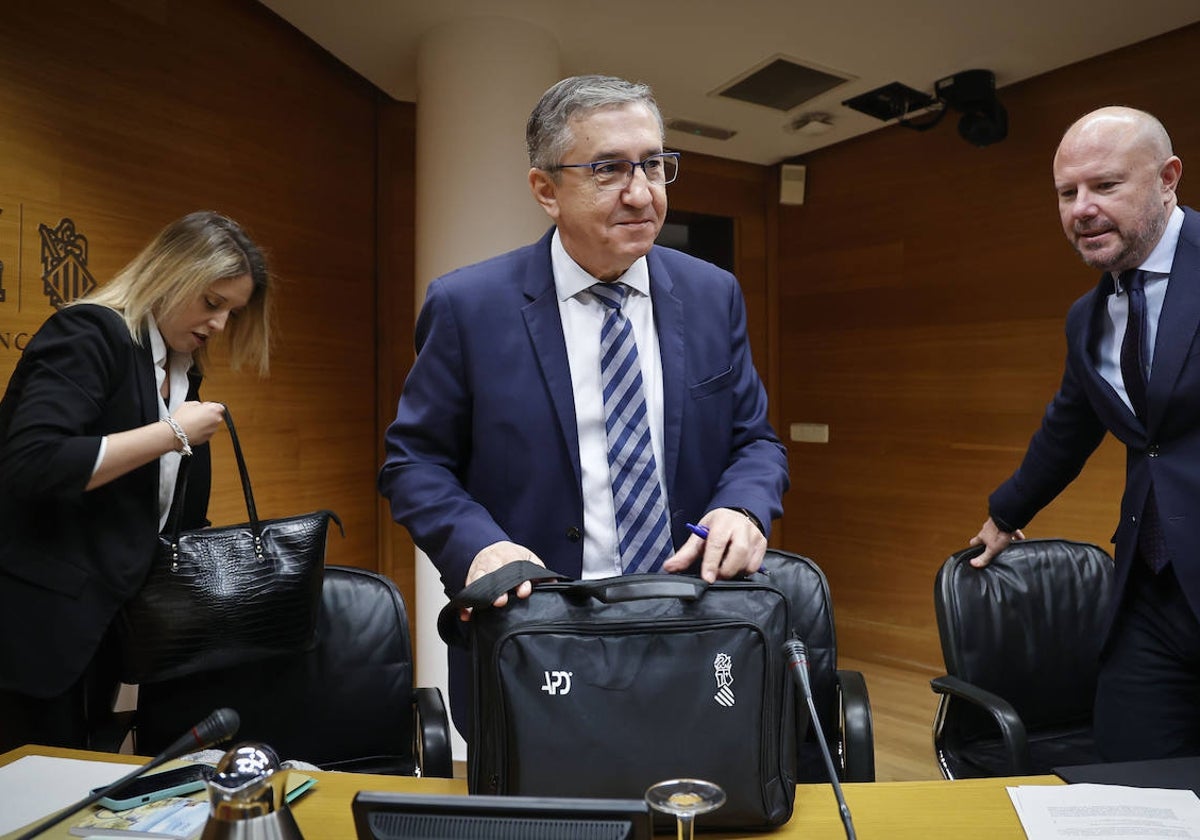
x=1178 y=323
x=1107 y=403
x=544 y=324
x=668 y=321
x=147 y=384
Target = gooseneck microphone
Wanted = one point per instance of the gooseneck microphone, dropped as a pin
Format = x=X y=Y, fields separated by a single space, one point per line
x=797 y=660
x=220 y=726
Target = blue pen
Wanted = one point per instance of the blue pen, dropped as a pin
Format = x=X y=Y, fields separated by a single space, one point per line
x=699 y=530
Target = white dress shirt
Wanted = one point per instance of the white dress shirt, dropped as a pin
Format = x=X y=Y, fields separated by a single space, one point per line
x=179 y=365
x=1158 y=267
x=582 y=317
x=168 y=463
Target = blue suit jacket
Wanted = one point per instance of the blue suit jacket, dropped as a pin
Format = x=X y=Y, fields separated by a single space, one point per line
x=1163 y=453
x=485 y=446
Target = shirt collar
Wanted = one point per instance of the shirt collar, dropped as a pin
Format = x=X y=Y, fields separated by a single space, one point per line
x=1162 y=258
x=158 y=347
x=570 y=279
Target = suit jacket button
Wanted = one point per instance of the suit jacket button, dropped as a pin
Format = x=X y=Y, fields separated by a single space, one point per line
x=574 y=534
x=1152 y=450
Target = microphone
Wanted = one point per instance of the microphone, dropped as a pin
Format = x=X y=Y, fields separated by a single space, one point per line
x=220 y=726
x=217 y=727
x=797 y=662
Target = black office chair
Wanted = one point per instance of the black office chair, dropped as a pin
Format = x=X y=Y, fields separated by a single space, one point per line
x=348 y=704
x=1021 y=640
x=840 y=697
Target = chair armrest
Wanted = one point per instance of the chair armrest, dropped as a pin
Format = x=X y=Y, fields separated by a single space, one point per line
x=1012 y=729
x=858 y=728
x=432 y=732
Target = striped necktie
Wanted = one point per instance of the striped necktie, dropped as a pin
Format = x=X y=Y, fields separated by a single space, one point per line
x=641 y=513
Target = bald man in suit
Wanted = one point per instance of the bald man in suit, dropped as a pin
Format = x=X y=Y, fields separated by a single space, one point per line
x=1116 y=176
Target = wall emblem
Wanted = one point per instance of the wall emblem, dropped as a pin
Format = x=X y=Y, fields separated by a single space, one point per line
x=65 y=274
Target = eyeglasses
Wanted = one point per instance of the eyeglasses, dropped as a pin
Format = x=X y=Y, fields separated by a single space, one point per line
x=660 y=170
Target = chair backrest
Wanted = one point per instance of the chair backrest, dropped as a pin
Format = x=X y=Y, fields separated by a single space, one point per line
x=1029 y=626
x=811 y=613
x=347 y=704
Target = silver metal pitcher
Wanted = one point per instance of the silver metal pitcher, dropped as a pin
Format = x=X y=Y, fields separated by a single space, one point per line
x=248 y=797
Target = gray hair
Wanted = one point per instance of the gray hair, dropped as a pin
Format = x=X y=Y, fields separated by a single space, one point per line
x=548 y=132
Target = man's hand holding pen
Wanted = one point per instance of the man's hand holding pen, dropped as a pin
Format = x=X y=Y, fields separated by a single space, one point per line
x=728 y=543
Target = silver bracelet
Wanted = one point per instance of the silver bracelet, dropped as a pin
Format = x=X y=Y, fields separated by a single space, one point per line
x=186 y=448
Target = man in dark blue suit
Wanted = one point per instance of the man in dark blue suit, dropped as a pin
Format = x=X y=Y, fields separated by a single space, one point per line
x=500 y=450
x=1133 y=369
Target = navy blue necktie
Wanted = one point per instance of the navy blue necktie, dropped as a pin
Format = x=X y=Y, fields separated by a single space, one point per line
x=1133 y=347
x=641 y=513
x=1151 y=544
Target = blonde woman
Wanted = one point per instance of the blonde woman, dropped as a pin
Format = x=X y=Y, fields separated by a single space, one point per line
x=98 y=414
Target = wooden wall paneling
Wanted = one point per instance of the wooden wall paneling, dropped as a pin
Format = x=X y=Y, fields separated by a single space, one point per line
x=746 y=193
x=924 y=285
x=395 y=312
x=739 y=191
x=125 y=115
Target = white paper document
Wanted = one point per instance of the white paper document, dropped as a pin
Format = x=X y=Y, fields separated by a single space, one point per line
x=1114 y=812
x=36 y=786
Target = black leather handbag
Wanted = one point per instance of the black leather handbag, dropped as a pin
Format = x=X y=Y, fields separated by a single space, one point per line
x=217 y=597
x=601 y=688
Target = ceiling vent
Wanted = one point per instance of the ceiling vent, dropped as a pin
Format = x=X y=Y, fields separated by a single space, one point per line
x=700 y=129
x=782 y=84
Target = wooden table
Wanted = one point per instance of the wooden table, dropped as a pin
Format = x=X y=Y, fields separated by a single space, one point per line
x=892 y=810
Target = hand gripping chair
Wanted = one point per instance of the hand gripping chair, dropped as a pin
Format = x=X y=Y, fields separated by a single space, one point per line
x=1021 y=639
x=839 y=696
x=348 y=704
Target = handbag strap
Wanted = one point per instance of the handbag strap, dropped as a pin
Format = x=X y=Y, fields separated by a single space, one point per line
x=176 y=513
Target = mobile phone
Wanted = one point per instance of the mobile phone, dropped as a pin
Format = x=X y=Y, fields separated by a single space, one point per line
x=155 y=786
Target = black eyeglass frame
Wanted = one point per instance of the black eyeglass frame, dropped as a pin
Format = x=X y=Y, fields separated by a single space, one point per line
x=633 y=166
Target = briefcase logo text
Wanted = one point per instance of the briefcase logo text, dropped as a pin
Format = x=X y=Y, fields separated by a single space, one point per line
x=723 y=672
x=558 y=683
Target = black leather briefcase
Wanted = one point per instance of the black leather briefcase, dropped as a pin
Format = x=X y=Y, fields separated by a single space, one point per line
x=601 y=688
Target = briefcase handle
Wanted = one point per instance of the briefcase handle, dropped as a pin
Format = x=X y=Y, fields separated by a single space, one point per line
x=481 y=593
x=612 y=590
x=485 y=590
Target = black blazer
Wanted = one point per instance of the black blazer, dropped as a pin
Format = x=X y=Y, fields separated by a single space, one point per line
x=68 y=558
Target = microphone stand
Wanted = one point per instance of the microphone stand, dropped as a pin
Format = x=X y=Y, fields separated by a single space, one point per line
x=797 y=659
x=219 y=726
